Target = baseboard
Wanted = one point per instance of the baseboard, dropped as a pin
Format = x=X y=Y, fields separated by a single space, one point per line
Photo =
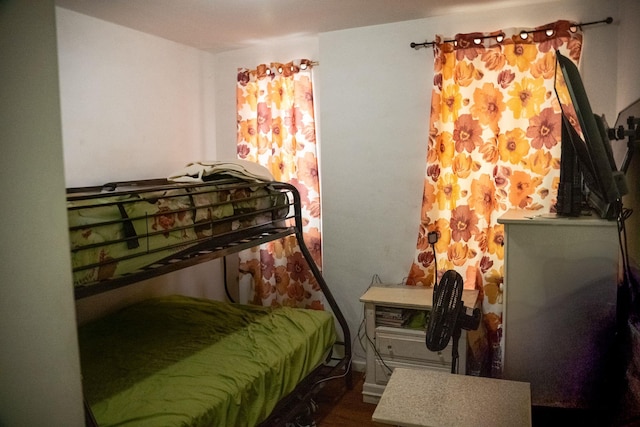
x=359 y=365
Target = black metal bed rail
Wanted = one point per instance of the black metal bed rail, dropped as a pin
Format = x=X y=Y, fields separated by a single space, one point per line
x=197 y=254
x=278 y=214
x=251 y=217
x=152 y=195
x=221 y=245
x=158 y=184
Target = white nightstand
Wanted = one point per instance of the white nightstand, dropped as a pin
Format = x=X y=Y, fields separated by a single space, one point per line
x=391 y=345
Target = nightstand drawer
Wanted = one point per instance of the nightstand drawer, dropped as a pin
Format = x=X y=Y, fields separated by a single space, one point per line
x=409 y=344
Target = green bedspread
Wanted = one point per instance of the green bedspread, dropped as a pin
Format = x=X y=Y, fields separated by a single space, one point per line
x=178 y=361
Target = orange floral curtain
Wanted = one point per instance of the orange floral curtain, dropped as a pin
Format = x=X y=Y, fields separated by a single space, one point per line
x=276 y=128
x=494 y=145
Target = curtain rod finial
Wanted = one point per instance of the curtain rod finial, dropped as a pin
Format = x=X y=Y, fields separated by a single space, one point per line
x=416 y=46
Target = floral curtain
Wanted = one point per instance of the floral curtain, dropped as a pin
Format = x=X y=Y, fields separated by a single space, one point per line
x=494 y=145
x=276 y=128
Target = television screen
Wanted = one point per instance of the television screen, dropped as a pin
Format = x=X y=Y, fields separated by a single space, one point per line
x=588 y=136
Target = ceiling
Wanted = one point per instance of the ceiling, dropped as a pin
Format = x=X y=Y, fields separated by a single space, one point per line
x=222 y=25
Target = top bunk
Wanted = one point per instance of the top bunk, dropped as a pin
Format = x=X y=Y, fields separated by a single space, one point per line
x=125 y=232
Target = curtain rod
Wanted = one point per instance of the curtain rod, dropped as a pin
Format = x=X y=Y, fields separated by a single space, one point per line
x=501 y=36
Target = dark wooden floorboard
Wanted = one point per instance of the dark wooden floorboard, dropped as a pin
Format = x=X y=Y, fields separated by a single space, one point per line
x=339 y=407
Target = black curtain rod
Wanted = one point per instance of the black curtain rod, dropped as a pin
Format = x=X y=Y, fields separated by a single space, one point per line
x=608 y=20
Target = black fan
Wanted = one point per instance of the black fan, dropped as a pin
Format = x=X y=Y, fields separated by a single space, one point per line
x=449 y=316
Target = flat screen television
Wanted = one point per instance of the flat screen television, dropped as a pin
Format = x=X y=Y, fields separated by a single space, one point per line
x=588 y=173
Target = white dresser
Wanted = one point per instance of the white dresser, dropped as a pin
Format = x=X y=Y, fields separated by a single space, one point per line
x=391 y=345
x=559 y=315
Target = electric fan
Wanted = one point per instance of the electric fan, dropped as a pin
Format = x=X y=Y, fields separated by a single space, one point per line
x=449 y=316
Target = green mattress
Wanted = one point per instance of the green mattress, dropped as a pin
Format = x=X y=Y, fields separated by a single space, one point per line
x=179 y=361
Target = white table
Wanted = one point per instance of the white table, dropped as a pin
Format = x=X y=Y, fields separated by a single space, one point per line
x=421 y=398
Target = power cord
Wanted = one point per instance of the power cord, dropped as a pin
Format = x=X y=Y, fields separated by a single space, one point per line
x=377 y=353
x=375 y=280
x=432 y=237
x=622 y=218
x=628 y=293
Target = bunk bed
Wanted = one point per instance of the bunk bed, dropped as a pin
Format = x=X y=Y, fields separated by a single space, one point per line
x=178 y=360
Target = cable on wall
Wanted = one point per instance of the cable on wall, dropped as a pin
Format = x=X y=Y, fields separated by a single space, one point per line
x=523 y=34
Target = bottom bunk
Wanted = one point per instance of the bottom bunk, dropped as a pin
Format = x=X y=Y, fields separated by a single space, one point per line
x=194 y=362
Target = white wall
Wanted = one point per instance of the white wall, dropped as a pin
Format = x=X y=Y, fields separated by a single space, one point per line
x=373 y=96
x=138 y=106
x=374 y=132
x=39 y=362
x=39 y=366
x=628 y=54
x=200 y=281
x=134 y=105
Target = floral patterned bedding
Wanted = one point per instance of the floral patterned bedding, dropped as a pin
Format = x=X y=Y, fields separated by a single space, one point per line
x=117 y=233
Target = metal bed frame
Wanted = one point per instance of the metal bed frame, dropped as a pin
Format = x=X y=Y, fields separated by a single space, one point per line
x=286 y=220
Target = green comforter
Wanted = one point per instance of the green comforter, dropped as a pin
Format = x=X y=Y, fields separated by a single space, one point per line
x=178 y=361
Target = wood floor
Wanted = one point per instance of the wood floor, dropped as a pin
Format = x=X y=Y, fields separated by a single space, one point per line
x=339 y=407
